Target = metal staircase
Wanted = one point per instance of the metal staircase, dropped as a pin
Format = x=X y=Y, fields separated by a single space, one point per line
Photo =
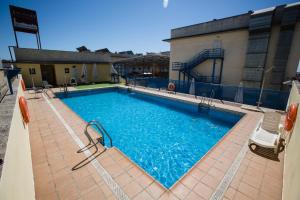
x=186 y=68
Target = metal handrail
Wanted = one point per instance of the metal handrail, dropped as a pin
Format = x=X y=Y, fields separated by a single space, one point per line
x=100 y=128
x=198 y=58
x=65 y=88
x=205 y=54
x=208 y=99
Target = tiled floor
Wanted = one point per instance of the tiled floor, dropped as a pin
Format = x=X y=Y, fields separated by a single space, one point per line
x=54 y=155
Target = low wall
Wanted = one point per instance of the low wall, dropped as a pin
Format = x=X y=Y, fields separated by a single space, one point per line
x=291 y=174
x=17 y=175
x=3 y=84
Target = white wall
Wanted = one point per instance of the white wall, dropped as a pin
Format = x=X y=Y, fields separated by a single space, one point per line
x=233 y=42
x=291 y=173
x=17 y=176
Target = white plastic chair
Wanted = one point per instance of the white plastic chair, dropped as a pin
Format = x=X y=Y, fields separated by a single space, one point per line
x=268 y=132
x=47 y=85
x=73 y=82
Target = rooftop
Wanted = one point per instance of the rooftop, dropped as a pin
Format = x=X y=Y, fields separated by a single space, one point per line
x=236 y=22
x=27 y=55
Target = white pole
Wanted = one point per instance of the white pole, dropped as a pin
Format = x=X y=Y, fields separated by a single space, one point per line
x=33 y=86
x=262 y=86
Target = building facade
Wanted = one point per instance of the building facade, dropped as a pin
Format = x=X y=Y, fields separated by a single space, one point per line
x=58 y=67
x=154 y=65
x=248 y=48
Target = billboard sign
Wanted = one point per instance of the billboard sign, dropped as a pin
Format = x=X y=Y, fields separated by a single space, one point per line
x=24 y=20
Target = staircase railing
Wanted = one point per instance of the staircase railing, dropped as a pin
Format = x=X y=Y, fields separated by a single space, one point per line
x=199 y=58
x=201 y=78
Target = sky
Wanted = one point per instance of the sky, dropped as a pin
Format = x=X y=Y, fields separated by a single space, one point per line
x=119 y=25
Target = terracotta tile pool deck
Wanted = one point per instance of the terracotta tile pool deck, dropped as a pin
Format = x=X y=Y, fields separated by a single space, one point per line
x=54 y=154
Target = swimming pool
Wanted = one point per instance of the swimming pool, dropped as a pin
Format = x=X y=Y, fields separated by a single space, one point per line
x=164 y=137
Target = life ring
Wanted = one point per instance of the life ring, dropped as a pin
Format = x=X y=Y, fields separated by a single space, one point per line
x=290 y=117
x=23 y=85
x=171 y=87
x=24 y=109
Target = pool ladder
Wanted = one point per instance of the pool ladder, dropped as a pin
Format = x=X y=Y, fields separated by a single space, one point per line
x=208 y=101
x=100 y=140
x=65 y=87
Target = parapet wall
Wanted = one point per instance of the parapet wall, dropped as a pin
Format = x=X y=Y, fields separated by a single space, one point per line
x=291 y=174
x=226 y=24
x=17 y=174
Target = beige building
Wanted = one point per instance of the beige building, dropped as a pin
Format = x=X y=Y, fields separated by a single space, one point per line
x=244 y=48
x=58 y=67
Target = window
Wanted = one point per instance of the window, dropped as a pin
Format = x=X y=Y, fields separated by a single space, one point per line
x=217 y=44
x=32 y=71
x=67 y=70
x=298 y=68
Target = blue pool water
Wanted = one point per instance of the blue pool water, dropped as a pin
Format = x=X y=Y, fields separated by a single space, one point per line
x=164 y=137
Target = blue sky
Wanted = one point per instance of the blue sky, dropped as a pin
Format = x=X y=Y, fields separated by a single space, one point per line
x=138 y=25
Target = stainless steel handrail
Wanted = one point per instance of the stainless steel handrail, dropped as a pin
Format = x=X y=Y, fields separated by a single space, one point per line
x=65 y=88
x=100 y=128
x=208 y=99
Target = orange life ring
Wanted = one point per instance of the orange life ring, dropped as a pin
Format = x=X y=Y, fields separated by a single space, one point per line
x=288 y=124
x=290 y=117
x=24 y=109
x=171 y=87
x=23 y=85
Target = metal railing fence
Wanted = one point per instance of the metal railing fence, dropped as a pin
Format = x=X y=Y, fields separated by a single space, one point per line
x=270 y=98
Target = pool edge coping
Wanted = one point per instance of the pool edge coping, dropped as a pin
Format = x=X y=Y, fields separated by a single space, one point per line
x=108 y=179
x=114 y=147
x=174 y=98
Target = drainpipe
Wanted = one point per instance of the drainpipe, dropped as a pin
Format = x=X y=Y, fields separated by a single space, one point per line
x=221 y=71
x=213 y=71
